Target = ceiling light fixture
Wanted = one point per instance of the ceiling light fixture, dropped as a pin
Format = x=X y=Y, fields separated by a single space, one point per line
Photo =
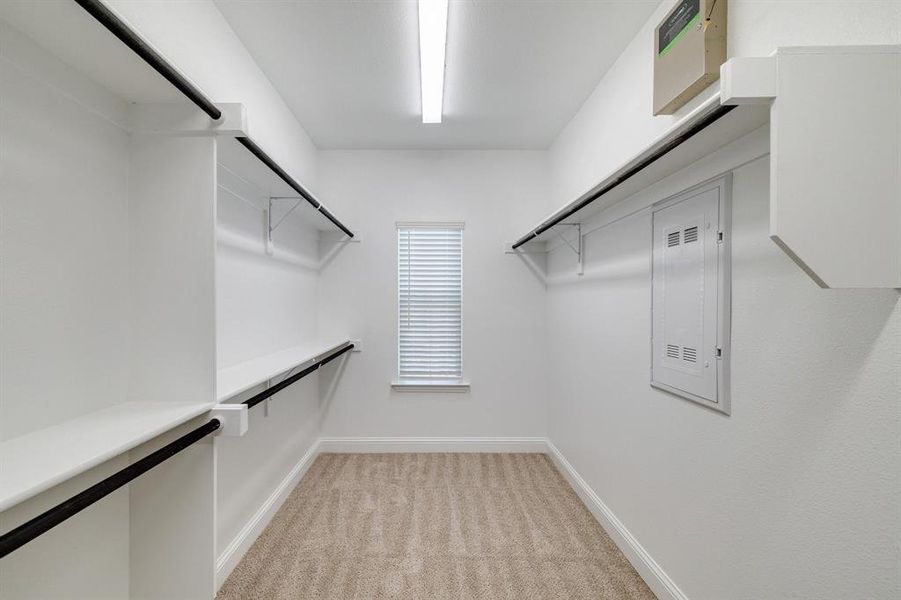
x=432 y=50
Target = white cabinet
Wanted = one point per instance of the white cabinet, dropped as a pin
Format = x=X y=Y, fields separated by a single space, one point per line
x=690 y=305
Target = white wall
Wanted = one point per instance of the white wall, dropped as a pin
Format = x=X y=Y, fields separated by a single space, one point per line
x=64 y=315
x=503 y=300
x=64 y=242
x=795 y=494
x=616 y=121
x=263 y=304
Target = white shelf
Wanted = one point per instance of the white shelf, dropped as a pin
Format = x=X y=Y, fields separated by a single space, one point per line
x=834 y=155
x=247 y=178
x=37 y=461
x=741 y=121
x=67 y=30
x=835 y=158
x=243 y=376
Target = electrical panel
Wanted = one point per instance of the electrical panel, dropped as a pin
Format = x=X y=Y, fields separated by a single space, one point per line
x=690 y=289
x=689 y=47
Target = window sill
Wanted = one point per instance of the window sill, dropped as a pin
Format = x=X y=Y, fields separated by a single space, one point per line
x=430 y=386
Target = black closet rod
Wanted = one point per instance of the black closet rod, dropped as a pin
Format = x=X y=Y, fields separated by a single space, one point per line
x=273 y=166
x=253 y=401
x=46 y=521
x=118 y=28
x=660 y=152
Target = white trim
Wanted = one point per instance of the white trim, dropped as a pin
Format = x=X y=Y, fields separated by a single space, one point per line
x=652 y=573
x=375 y=445
x=430 y=386
x=435 y=224
x=234 y=552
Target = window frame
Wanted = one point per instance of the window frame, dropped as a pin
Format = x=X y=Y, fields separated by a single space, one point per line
x=460 y=384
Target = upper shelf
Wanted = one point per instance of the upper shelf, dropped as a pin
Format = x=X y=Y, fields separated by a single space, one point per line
x=704 y=130
x=94 y=40
x=37 y=461
x=246 y=171
x=91 y=38
x=835 y=157
x=233 y=380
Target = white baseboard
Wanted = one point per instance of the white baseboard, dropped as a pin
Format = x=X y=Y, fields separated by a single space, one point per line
x=656 y=578
x=374 y=445
x=245 y=538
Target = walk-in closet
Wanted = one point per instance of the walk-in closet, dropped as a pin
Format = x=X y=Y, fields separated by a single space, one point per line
x=445 y=299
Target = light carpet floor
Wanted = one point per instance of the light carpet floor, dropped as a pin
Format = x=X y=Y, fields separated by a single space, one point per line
x=434 y=526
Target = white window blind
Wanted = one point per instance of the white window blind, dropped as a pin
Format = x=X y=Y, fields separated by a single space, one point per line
x=430 y=290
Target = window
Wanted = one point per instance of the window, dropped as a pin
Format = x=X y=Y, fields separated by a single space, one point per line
x=430 y=294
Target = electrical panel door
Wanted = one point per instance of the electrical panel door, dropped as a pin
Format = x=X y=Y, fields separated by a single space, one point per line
x=690 y=295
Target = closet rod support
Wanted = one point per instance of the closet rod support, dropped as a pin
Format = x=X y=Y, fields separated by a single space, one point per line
x=578 y=247
x=270 y=246
x=232 y=417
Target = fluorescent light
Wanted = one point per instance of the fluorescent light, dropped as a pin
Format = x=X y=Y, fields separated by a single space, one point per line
x=432 y=48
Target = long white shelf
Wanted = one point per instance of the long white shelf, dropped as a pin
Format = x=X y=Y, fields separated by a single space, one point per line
x=32 y=463
x=243 y=376
x=834 y=158
x=669 y=153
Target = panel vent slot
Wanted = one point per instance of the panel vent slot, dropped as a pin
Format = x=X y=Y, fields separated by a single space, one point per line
x=672 y=351
x=691 y=234
x=672 y=239
x=690 y=354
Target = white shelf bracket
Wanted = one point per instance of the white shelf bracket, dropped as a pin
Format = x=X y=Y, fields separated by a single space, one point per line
x=270 y=227
x=577 y=248
x=267 y=403
x=182 y=120
x=233 y=419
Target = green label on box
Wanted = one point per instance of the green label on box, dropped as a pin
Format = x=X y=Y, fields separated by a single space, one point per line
x=673 y=28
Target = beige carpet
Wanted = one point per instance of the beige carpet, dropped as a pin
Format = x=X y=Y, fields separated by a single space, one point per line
x=433 y=526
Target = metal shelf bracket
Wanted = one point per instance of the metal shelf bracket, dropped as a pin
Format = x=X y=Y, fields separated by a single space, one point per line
x=270 y=227
x=578 y=247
